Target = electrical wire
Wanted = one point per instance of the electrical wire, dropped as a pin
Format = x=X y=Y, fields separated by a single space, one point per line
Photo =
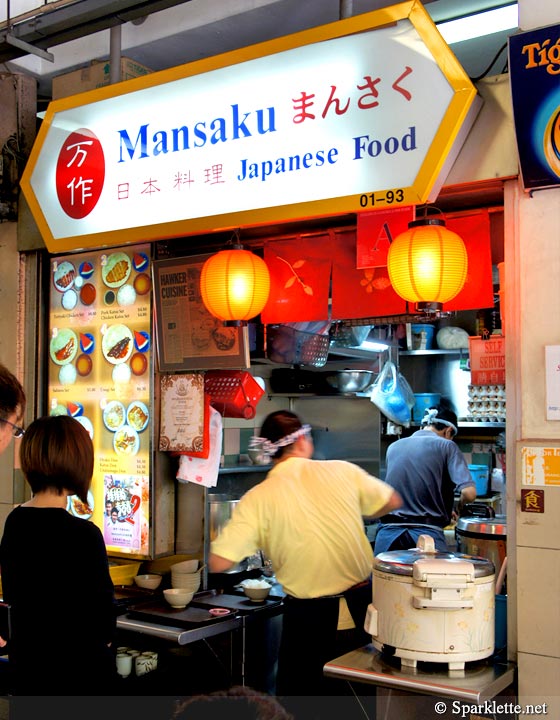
x=491 y=65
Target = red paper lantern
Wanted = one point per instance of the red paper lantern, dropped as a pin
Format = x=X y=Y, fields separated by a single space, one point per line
x=427 y=264
x=234 y=285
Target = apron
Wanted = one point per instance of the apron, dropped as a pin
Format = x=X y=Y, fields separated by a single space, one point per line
x=310 y=639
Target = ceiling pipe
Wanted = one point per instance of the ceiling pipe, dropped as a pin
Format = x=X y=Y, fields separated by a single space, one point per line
x=115 y=54
x=345 y=9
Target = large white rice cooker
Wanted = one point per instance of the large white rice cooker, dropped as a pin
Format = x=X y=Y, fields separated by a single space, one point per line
x=432 y=606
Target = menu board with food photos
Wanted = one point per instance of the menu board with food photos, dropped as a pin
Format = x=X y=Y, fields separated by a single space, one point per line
x=100 y=373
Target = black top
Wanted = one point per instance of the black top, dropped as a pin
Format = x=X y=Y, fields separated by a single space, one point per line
x=55 y=576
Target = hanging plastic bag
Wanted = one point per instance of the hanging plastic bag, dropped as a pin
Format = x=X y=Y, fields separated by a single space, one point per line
x=392 y=394
x=204 y=471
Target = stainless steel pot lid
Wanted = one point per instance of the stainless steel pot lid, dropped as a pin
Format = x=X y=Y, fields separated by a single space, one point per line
x=400 y=562
x=492 y=528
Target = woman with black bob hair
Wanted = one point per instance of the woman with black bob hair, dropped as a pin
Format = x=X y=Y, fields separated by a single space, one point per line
x=55 y=572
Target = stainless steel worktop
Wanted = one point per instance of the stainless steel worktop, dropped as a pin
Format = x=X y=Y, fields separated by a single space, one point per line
x=164 y=625
x=179 y=635
x=479 y=681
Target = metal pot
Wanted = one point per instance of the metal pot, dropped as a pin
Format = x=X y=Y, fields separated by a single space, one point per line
x=485 y=536
x=221 y=508
x=350 y=381
x=432 y=606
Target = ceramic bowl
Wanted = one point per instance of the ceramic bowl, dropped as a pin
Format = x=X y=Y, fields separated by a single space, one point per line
x=191 y=582
x=177 y=597
x=256 y=594
x=150 y=582
x=186 y=566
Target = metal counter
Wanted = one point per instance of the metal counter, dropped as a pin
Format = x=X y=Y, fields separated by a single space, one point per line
x=247 y=646
x=179 y=635
x=479 y=681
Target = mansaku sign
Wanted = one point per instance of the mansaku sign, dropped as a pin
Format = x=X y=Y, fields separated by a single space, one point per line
x=361 y=114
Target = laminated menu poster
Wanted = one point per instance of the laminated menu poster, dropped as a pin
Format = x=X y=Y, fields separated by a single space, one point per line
x=123 y=524
x=184 y=415
x=100 y=373
x=188 y=336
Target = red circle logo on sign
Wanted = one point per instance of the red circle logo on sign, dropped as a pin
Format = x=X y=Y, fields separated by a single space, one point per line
x=80 y=173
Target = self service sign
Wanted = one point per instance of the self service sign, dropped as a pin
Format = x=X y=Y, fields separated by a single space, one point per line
x=361 y=114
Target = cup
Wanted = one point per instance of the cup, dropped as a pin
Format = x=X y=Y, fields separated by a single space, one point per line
x=153 y=656
x=145 y=663
x=124 y=664
x=133 y=655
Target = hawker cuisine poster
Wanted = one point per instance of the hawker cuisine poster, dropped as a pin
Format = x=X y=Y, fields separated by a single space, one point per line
x=99 y=373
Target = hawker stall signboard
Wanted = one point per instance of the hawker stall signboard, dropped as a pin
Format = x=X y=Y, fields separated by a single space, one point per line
x=99 y=373
x=364 y=113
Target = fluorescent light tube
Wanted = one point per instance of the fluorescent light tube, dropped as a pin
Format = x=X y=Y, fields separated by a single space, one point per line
x=374 y=346
x=484 y=23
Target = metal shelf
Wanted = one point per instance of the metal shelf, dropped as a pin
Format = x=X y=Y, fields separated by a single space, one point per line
x=473 y=424
x=297 y=394
x=235 y=469
x=434 y=352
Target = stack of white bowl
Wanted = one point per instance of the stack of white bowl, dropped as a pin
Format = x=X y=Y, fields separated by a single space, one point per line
x=185 y=575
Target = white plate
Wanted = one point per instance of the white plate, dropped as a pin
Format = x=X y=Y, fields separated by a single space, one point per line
x=126 y=441
x=77 y=507
x=63 y=276
x=119 y=341
x=138 y=416
x=116 y=270
x=114 y=415
x=86 y=422
x=64 y=346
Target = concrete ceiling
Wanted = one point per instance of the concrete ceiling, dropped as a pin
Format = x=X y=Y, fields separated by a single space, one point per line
x=166 y=33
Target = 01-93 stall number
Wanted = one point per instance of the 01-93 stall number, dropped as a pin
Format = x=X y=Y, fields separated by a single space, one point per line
x=390 y=197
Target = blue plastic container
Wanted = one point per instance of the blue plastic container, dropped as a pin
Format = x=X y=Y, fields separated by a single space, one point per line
x=479 y=474
x=422 y=401
x=422 y=336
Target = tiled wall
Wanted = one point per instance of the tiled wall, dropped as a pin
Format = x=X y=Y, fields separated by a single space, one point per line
x=237 y=431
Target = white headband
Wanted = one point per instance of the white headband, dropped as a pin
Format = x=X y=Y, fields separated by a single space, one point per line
x=270 y=448
x=430 y=417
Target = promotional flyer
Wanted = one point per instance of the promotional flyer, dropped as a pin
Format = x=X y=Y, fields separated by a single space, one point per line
x=99 y=373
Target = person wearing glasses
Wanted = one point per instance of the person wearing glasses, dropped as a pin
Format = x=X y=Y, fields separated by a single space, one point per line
x=307 y=516
x=426 y=469
x=12 y=407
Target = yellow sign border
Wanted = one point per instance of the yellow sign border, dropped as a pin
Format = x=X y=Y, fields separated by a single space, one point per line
x=464 y=93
